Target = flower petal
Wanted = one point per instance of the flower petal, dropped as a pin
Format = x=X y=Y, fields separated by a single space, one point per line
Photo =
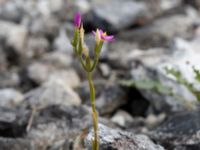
x=101 y=31
x=100 y=35
x=77 y=20
x=108 y=38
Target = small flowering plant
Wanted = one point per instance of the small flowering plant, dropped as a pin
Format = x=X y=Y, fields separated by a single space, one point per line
x=89 y=64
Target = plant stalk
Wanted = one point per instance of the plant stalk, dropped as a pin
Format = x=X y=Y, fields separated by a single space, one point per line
x=95 y=142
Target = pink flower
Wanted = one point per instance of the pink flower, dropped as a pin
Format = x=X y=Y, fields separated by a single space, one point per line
x=100 y=35
x=77 y=20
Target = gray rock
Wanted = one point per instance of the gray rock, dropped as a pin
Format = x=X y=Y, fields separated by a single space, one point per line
x=69 y=77
x=13 y=122
x=106 y=12
x=62 y=43
x=113 y=19
x=111 y=98
x=105 y=69
x=56 y=6
x=39 y=72
x=122 y=118
x=45 y=26
x=55 y=126
x=15 y=144
x=60 y=144
x=83 y=5
x=194 y=3
x=58 y=59
x=153 y=121
x=117 y=54
x=12 y=11
x=114 y=139
x=137 y=124
x=9 y=79
x=42 y=8
x=52 y=126
x=15 y=36
x=43 y=72
x=37 y=46
x=3 y=61
x=60 y=127
x=161 y=32
x=182 y=131
x=49 y=7
x=52 y=92
x=10 y=97
x=150 y=66
x=169 y=4
x=160 y=7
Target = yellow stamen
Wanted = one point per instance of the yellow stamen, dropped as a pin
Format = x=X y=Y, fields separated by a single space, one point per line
x=104 y=34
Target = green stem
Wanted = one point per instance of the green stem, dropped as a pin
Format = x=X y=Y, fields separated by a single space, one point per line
x=95 y=143
x=94 y=64
x=82 y=63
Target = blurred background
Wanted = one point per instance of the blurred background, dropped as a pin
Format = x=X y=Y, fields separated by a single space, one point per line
x=42 y=82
